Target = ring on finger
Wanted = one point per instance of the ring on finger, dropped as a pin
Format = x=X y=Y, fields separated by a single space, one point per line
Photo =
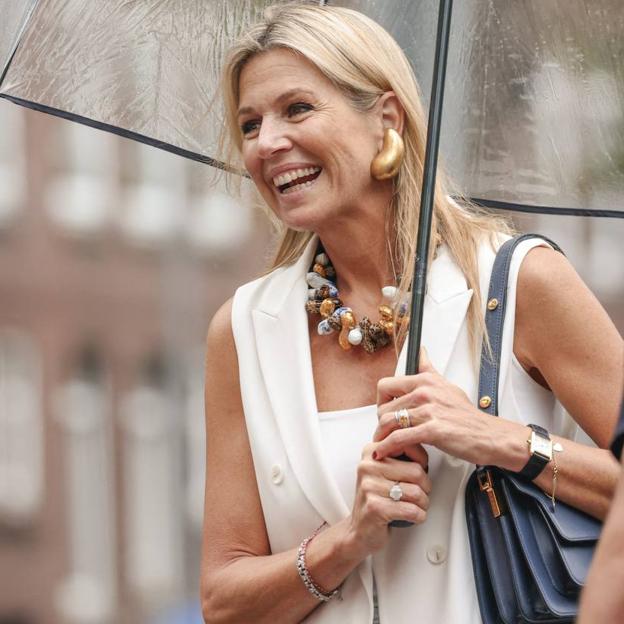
x=402 y=417
x=395 y=492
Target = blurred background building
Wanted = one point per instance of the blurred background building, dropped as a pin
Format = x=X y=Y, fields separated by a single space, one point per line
x=113 y=258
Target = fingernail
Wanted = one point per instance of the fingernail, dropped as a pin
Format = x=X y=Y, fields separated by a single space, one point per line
x=374 y=454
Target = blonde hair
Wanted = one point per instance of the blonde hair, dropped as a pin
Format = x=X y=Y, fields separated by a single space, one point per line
x=363 y=61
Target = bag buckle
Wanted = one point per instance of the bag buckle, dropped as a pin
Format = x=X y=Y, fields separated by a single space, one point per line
x=486 y=485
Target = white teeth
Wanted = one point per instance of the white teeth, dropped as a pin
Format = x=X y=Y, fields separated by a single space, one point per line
x=290 y=176
x=296 y=187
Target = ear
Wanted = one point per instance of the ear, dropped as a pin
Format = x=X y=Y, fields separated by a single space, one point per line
x=391 y=112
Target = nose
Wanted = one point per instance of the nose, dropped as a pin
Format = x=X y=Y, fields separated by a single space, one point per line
x=272 y=139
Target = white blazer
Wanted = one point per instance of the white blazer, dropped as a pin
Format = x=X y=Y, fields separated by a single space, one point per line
x=424 y=574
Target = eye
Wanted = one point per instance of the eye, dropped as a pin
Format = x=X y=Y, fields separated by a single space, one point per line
x=247 y=127
x=298 y=109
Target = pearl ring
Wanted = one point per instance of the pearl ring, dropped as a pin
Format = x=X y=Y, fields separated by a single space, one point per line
x=402 y=417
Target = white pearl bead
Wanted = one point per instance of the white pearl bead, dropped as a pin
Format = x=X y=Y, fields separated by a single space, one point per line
x=355 y=336
x=389 y=292
x=322 y=259
x=316 y=281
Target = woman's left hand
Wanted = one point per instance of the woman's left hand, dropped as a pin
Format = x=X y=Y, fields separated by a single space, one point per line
x=440 y=415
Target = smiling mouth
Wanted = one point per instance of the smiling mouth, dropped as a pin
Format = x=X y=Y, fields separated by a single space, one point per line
x=295 y=180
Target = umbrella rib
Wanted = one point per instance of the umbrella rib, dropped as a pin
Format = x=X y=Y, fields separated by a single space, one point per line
x=127 y=134
x=550 y=210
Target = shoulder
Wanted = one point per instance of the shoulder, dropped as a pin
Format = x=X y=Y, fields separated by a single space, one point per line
x=546 y=277
x=538 y=266
x=557 y=316
x=220 y=339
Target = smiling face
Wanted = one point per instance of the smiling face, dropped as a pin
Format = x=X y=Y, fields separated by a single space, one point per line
x=307 y=149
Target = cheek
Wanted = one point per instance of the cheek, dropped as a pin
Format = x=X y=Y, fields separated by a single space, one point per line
x=250 y=161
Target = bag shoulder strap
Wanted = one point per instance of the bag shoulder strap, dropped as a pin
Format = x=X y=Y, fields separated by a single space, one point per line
x=489 y=369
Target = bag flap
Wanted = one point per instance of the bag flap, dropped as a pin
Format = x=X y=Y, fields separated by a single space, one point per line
x=570 y=523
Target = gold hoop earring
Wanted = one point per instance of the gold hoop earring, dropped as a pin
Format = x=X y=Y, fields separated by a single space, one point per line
x=388 y=162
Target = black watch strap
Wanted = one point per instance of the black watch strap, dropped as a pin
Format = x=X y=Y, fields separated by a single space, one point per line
x=536 y=462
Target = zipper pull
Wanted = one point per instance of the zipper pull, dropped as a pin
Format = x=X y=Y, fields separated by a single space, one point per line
x=485 y=485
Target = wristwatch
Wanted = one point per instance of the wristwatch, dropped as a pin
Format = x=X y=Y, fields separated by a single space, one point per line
x=541 y=449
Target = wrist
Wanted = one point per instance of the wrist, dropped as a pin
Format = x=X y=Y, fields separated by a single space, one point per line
x=332 y=555
x=510 y=448
x=349 y=547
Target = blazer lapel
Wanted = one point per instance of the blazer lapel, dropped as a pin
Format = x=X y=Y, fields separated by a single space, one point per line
x=282 y=340
x=446 y=304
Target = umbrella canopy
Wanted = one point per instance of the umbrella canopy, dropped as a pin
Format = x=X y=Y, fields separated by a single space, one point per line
x=148 y=70
x=534 y=111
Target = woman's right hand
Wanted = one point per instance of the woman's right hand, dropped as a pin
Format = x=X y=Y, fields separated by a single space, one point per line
x=373 y=509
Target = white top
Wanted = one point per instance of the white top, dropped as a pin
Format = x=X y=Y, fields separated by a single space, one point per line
x=344 y=433
x=305 y=464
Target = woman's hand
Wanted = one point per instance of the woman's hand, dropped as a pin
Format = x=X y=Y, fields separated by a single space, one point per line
x=440 y=414
x=373 y=509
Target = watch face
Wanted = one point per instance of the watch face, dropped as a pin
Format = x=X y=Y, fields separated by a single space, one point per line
x=542 y=446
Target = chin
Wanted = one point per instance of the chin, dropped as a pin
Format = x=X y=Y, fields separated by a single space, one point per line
x=303 y=219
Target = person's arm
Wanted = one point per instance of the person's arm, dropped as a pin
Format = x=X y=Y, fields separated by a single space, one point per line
x=241 y=580
x=602 y=599
x=564 y=336
x=565 y=339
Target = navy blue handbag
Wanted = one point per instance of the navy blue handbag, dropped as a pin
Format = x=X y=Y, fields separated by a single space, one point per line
x=529 y=560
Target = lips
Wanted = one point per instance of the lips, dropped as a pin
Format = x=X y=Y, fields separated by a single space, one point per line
x=294 y=178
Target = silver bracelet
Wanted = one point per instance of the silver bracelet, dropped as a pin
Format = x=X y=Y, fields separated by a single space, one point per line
x=316 y=590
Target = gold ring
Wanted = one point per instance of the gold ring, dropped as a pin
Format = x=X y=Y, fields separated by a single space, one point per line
x=402 y=417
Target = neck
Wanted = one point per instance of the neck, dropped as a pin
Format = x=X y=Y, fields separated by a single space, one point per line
x=359 y=251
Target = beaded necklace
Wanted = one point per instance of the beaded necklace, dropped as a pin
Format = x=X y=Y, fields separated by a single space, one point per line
x=324 y=299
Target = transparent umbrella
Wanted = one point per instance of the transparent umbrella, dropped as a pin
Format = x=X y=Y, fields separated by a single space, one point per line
x=533 y=113
x=144 y=70
x=533 y=117
x=534 y=107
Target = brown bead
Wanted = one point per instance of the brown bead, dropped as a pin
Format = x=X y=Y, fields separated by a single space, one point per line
x=313 y=306
x=379 y=336
x=368 y=344
x=334 y=323
x=322 y=292
x=320 y=269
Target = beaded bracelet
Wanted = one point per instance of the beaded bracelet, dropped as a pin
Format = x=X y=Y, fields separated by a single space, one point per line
x=316 y=590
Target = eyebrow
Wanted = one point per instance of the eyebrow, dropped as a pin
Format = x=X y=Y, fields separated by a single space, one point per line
x=245 y=110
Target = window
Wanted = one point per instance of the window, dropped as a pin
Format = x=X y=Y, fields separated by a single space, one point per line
x=88 y=592
x=21 y=429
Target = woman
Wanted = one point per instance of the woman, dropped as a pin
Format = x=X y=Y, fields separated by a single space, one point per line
x=293 y=397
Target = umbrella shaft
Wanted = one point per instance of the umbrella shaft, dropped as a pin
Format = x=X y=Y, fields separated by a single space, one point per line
x=428 y=188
